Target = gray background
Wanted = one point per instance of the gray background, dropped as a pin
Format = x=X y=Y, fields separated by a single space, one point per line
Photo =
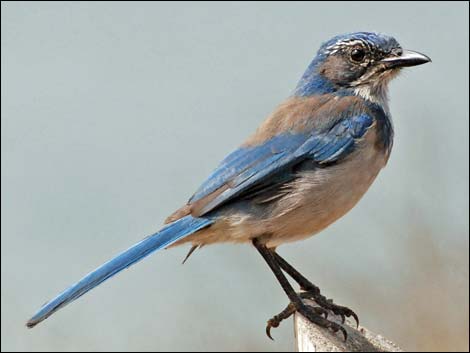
x=113 y=113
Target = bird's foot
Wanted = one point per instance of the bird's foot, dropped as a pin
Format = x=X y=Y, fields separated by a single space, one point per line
x=315 y=314
x=328 y=305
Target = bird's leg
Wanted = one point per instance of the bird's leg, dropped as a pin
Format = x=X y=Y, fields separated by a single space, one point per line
x=311 y=291
x=296 y=304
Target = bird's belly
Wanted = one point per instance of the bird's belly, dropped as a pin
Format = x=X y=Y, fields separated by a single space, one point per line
x=321 y=196
x=314 y=200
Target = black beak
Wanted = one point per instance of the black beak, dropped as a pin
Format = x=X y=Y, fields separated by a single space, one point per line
x=407 y=58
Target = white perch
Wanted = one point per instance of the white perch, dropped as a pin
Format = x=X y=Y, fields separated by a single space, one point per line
x=312 y=338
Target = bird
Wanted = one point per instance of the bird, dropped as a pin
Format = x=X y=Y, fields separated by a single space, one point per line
x=304 y=167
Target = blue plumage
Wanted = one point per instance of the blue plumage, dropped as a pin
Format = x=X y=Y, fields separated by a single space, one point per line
x=245 y=161
x=313 y=81
x=279 y=154
x=165 y=237
x=308 y=164
x=377 y=40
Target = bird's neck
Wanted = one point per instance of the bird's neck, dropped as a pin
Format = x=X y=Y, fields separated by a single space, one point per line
x=312 y=83
x=377 y=94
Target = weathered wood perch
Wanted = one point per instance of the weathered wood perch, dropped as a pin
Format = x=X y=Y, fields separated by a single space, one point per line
x=312 y=338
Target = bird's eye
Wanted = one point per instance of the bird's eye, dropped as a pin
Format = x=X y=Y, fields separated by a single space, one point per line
x=358 y=54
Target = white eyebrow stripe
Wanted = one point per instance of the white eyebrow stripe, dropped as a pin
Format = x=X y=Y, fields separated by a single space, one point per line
x=332 y=49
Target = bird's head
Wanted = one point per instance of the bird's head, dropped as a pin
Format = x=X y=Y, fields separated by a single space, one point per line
x=361 y=62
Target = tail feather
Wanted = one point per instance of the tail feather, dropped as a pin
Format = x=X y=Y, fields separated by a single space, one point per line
x=165 y=237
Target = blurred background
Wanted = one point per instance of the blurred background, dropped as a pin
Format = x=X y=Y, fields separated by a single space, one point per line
x=112 y=115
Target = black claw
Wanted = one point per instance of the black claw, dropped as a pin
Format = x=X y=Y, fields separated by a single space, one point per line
x=277 y=319
x=328 y=304
x=353 y=314
x=268 y=332
x=345 y=334
x=316 y=314
x=271 y=323
x=335 y=328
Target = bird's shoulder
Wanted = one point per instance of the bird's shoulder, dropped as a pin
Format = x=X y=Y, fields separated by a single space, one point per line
x=309 y=115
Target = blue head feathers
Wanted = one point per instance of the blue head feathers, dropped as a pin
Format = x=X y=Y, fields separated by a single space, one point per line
x=343 y=60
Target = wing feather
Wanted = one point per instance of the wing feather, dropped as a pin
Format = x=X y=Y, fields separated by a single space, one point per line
x=246 y=168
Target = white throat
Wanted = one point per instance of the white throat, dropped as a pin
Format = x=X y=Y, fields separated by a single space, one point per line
x=373 y=95
x=375 y=92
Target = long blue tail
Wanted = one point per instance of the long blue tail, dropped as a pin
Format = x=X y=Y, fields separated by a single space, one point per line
x=165 y=237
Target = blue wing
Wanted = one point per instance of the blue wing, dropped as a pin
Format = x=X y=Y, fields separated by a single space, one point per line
x=247 y=167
